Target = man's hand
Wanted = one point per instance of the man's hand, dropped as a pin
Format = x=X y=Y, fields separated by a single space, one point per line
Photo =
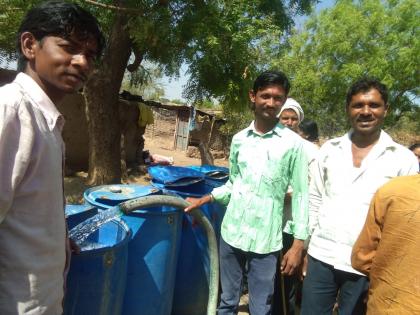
x=197 y=202
x=304 y=268
x=292 y=259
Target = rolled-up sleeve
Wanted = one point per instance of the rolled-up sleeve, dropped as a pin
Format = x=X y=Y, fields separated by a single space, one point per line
x=299 y=183
x=16 y=141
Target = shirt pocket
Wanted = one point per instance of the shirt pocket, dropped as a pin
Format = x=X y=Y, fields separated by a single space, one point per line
x=274 y=178
x=337 y=180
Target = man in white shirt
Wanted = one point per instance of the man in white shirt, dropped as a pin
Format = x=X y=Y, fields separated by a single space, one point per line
x=347 y=173
x=57 y=46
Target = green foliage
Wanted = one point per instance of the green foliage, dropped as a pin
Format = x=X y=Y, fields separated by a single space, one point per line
x=353 y=39
x=235 y=121
x=220 y=40
x=11 y=13
x=144 y=82
x=206 y=103
x=408 y=122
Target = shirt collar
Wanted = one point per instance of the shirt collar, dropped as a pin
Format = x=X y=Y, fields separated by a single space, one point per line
x=385 y=141
x=278 y=129
x=41 y=100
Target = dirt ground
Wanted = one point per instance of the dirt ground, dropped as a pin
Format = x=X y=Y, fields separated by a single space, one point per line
x=163 y=146
x=75 y=185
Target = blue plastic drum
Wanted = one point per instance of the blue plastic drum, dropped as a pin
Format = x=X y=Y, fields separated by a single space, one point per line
x=76 y=214
x=107 y=196
x=97 y=276
x=153 y=255
x=152 y=251
x=193 y=270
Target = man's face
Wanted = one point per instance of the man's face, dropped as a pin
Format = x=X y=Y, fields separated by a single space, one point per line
x=268 y=102
x=62 y=65
x=366 y=112
x=290 y=119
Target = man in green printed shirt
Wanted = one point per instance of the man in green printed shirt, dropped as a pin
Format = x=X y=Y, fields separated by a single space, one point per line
x=264 y=159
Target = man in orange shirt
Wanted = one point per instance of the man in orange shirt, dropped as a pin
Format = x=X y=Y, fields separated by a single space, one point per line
x=388 y=248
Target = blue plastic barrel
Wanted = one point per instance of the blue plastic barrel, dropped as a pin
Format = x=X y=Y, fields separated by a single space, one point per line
x=212 y=173
x=193 y=269
x=76 y=214
x=152 y=251
x=97 y=276
x=153 y=255
x=107 y=196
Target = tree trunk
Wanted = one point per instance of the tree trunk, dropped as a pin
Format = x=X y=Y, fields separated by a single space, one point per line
x=101 y=95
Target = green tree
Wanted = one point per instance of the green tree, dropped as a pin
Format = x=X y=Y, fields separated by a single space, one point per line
x=353 y=39
x=144 y=82
x=235 y=121
x=218 y=39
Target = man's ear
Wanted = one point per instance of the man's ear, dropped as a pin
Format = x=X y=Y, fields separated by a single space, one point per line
x=251 y=96
x=28 y=45
x=386 y=109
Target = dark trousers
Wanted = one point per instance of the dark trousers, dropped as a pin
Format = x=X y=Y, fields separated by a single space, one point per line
x=261 y=269
x=291 y=285
x=322 y=284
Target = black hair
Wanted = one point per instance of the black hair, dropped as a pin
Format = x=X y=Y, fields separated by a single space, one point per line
x=309 y=128
x=62 y=19
x=271 y=78
x=366 y=84
x=414 y=146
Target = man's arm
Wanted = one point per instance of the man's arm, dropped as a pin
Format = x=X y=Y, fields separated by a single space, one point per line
x=364 y=250
x=16 y=142
x=219 y=194
x=299 y=184
x=299 y=227
x=316 y=191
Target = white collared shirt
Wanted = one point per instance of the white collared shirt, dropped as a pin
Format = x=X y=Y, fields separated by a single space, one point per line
x=32 y=223
x=340 y=194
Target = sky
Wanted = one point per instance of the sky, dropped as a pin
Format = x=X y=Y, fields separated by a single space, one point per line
x=173 y=86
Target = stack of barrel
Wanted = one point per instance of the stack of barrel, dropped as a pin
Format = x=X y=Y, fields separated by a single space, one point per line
x=152 y=261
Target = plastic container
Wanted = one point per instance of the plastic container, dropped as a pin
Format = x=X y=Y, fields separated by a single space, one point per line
x=153 y=255
x=76 y=214
x=211 y=172
x=152 y=251
x=107 y=196
x=193 y=269
x=97 y=276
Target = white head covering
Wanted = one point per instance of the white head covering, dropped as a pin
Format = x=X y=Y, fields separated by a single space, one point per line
x=293 y=105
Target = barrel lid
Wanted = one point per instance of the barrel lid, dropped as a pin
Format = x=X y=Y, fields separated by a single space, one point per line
x=212 y=171
x=174 y=176
x=117 y=193
x=72 y=209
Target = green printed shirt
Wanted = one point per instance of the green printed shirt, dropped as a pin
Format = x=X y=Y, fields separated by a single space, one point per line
x=261 y=168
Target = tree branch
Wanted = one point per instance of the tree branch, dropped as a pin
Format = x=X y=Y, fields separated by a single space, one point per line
x=113 y=7
x=138 y=58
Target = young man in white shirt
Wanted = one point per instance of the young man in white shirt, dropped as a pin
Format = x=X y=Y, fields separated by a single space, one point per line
x=57 y=45
x=347 y=173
